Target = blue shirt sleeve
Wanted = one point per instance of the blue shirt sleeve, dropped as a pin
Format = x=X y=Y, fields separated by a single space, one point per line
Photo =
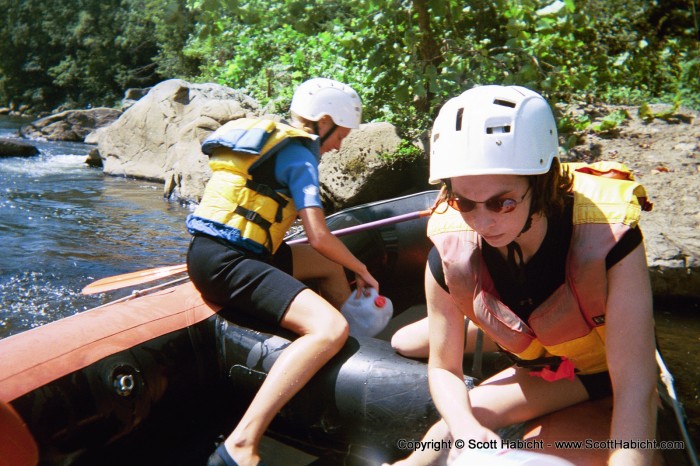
x=297 y=168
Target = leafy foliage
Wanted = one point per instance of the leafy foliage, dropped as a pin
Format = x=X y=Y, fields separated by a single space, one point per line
x=85 y=52
x=405 y=57
x=611 y=122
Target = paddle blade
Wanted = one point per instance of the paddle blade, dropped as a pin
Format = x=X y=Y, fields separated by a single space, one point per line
x=133 y=279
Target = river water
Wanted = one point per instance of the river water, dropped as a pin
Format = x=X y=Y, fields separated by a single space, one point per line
x=64 y=225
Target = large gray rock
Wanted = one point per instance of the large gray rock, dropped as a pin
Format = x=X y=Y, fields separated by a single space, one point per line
x=158 y=138
x=664 y=154
x=15 y=148
x=71 y=125
x=132 y=95
x=365 y=169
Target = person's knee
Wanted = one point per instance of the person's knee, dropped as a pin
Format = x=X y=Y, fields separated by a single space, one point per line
x=334 y=330
x=411 y=341
x=405 y=346
x=398 y=342
x=341 y=328
x=311 y=315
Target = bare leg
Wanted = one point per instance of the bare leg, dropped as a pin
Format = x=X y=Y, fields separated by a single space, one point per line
x=330 y=277
x=510 y=397
x=412 y=340
x=323 y=331
x=514 y=396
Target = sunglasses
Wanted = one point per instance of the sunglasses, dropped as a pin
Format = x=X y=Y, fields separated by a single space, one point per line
x=501 y=205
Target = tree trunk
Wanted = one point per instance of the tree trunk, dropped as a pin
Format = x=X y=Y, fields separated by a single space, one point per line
x=429 y=50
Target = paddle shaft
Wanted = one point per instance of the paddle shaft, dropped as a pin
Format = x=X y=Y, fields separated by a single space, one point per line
x=370 y=225
x=144 y=276
x=667 y=380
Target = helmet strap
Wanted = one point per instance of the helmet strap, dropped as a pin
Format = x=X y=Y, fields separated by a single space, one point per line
x=528 y=222
x=328 y=134
x=516 y=266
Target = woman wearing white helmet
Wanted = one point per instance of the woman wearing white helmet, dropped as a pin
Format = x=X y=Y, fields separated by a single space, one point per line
x=264 y=175
x=548 y=262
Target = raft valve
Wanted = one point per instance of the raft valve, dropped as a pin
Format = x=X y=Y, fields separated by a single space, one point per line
x=124 y=383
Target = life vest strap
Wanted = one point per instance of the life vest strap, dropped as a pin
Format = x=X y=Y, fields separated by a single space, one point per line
x=265 y=190
x=551 y=362
x=549 y=368
x=257 y=219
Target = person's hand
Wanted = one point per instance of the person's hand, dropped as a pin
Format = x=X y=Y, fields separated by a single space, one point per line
x=364 y=281
x=477 y=437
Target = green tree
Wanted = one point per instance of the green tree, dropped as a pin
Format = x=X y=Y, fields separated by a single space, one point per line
x=87 y=52
x=171 y=24
x=267 y=47
x=405 y=57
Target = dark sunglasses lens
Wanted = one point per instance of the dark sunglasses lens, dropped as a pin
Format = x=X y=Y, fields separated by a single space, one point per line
x=501 y=205
x=463 y=205
x=494 y=205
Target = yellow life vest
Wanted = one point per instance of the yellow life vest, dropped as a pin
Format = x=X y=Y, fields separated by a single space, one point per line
x=236 y=207
x=571 y=322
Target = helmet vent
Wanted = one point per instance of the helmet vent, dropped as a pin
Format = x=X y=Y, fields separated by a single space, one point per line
x=458 y=122
x=498 y=129
x=504 y=103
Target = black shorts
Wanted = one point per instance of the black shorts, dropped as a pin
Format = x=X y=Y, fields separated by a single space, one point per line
x=261 y=287
x=598 y=385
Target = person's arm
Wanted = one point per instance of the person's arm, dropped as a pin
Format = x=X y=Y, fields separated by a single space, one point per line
x=630 y=348
x=297 y=168
x=329 y=246
x=445 y=374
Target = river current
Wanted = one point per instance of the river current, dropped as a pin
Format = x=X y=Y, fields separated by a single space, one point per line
x=64 y=225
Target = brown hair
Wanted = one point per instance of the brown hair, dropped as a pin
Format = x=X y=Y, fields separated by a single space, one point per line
x=550 y=190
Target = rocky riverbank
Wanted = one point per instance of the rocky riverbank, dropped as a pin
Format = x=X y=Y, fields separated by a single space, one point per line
x=157 y=137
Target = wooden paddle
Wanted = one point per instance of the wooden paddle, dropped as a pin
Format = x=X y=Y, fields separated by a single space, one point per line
x=144 y=276
x=133 y=278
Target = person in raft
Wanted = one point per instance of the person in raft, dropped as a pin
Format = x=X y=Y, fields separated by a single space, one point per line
x=548 y=262
x=264 y=175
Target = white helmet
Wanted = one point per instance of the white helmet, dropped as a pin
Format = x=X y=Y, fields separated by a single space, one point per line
x=493 y=130
x=318 y=97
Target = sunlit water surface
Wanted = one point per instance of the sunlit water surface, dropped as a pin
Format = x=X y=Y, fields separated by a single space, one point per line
x=64 y=225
